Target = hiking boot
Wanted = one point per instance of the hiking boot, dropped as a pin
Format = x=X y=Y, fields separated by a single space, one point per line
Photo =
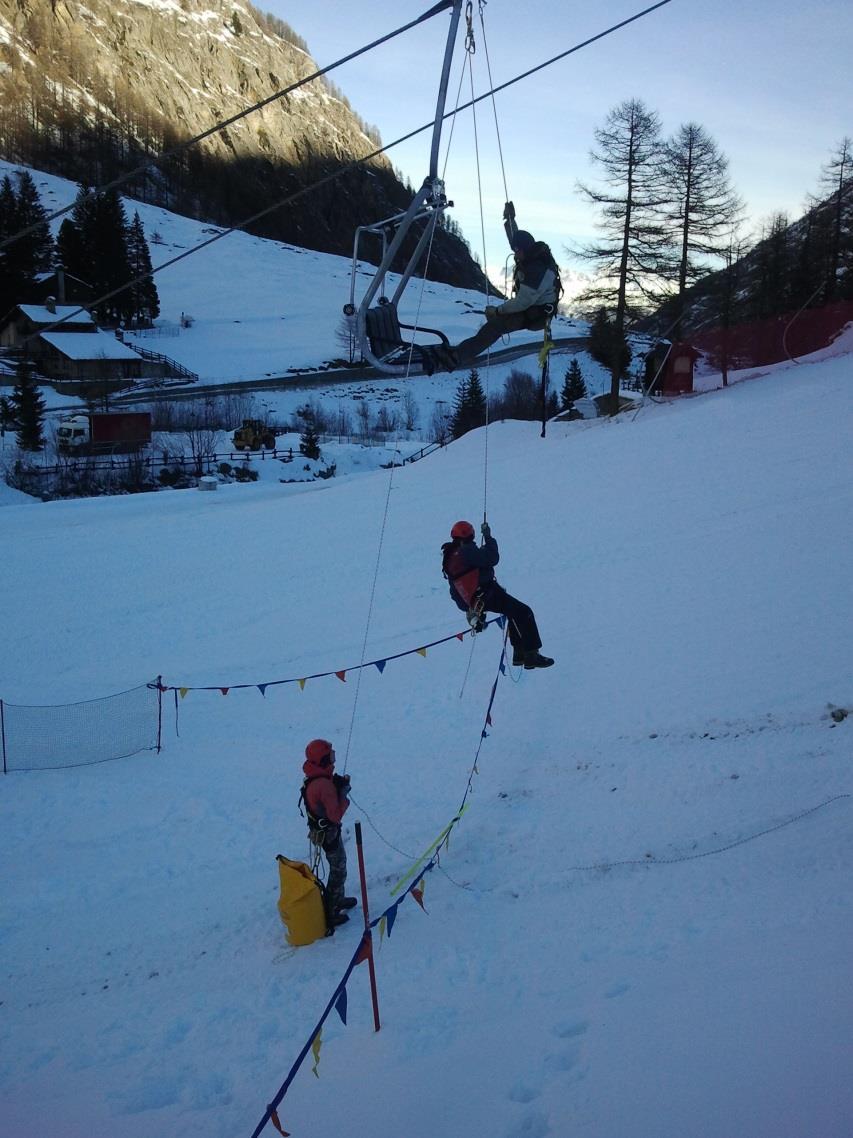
x=339 y=919
x=535 y=660
x=348 y=903
x=518 y=655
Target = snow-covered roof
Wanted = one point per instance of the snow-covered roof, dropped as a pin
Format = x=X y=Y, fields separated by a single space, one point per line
x=40 y=314
x=89 y=346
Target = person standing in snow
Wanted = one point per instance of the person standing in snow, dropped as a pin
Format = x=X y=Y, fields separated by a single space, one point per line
x=536 y=293
x=470 y=569
x=326 y=799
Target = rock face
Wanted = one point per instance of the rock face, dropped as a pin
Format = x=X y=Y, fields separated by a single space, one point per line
x=89 y=90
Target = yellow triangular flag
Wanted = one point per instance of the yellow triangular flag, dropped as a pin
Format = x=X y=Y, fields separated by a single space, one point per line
x=382 y=923
x=422 y=651
x=183 y=691
x=301 y=685
x=315 y=1048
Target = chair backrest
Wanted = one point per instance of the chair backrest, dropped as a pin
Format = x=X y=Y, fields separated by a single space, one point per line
x=382 y=325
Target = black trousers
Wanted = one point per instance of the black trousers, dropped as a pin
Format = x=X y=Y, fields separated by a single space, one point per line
x=523 y=633
x=468 y=350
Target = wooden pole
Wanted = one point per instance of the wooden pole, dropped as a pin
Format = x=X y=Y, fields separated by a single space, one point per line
x=367 y=930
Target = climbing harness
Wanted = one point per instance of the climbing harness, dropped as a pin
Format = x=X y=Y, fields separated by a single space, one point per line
x=377 y=325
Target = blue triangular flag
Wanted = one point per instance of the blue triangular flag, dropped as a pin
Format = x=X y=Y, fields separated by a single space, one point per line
x=380 y=664
x=485 y=735
x=501 y=621
x=503 y=665
x=262 y=688
x=341 y=1006
x=392 y=917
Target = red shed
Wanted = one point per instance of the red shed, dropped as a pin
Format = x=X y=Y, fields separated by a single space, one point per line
x=677 y=377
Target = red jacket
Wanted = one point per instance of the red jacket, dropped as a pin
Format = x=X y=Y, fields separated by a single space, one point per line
x=322 y=797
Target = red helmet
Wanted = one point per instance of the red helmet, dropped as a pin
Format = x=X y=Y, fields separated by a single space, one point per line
x=318 y=749
x=464 y=531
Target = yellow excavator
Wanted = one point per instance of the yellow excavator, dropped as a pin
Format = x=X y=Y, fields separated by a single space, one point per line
x=254 y=435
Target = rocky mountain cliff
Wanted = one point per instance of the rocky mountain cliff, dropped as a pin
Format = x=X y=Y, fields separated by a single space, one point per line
x=90 y=90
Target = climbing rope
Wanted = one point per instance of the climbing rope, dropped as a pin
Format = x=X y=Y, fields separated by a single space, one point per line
x=649 y=860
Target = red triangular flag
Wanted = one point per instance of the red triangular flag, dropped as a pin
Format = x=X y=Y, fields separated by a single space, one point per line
x=224 y=691
x=342 y=676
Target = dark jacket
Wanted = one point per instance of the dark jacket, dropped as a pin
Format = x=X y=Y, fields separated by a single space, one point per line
x=469 y=568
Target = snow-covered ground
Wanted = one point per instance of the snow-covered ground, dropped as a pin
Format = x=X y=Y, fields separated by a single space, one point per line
x=690 y=567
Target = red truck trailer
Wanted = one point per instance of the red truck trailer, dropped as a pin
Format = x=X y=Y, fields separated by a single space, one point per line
x=105 y=432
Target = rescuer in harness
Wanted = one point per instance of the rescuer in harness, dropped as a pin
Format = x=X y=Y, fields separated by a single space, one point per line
x=470 y=570
x=536 y=293
x=325 y=796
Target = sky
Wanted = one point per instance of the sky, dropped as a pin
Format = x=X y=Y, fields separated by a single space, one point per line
x=769 y=81
x=641 y=925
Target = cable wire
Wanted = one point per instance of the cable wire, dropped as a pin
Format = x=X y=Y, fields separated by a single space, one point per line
x=184 y=146
x=345 y=169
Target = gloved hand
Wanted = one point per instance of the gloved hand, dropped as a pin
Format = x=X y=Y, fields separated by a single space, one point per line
x=341 y=782
x=509 y=212
x=486 y=529
x=491 y=312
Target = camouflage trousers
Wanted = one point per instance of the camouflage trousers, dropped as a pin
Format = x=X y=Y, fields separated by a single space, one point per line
x=336 y=856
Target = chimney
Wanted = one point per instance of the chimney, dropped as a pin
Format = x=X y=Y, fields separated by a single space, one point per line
x=60 y=284
x=50 y=305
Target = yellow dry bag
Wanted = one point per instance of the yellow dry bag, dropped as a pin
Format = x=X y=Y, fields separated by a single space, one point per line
x=300 y=902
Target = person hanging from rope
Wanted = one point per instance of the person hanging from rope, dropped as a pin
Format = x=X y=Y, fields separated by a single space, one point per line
x=470 y=569
x=536 y=294
x=325 y=796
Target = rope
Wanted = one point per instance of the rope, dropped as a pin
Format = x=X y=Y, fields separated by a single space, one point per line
x=494 y=104
x=709 y=853
x=183 y=146
x=355 y=164
x=471 y=52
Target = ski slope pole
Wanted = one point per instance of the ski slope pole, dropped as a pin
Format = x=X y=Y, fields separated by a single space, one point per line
x=368 y=932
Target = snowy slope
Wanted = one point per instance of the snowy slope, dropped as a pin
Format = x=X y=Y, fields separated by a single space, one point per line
x=260 y=308
x=690 y=568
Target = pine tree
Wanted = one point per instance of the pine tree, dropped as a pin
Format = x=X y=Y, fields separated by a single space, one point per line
x=23 y=260
x=144 y=295
x=837 y=181
x=574 y=386
x=459 y=417
x=94 y=246
x=469 y=406
x=634 y=250
x=702 y=210
x=309 y=440
x=29 y=407
x=476 y=399
x=770 y=288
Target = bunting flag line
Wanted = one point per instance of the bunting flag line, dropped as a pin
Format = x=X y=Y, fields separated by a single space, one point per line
x=339 y=672
x=411 y=873
x=416 y=875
